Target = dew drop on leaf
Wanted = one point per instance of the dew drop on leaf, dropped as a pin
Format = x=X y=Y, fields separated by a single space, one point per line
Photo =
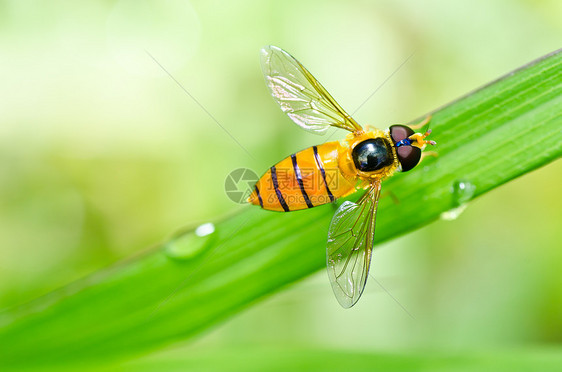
x=462 y=192
x=190 y=244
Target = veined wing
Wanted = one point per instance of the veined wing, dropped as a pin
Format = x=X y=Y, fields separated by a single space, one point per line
x=350 y=244
x=300 y=95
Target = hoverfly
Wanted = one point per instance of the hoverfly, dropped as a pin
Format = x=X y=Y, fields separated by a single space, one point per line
x=321 y=174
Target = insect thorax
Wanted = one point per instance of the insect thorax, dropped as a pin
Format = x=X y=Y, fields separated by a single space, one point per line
x=368 y=155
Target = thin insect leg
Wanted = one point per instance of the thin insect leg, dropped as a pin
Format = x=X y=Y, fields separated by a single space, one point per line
x=392 y=195
x=422 y=123
x=425 y=154
x=420 y=139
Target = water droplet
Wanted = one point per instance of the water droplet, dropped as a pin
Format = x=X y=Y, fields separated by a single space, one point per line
x=461 y=193
x=205 y=229
x=186 y=245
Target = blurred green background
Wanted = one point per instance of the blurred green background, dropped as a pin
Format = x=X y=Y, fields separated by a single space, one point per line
x=102 y=155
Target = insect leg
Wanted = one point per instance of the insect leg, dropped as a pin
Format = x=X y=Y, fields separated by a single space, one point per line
x=421 y=123
x=426 y=154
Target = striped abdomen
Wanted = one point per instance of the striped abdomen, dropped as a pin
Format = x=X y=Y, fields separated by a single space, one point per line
x=309 y=178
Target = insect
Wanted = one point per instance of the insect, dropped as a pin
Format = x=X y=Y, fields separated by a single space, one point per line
x=321 y=174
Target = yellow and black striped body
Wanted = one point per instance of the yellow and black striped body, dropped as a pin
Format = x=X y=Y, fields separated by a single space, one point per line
x=306 y=179
x=319 y=175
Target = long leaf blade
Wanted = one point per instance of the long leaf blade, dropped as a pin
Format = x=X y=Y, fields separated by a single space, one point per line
x=487 y=138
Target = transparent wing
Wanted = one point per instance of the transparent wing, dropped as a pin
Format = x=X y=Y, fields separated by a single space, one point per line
x=350 y=244
x=300 y=95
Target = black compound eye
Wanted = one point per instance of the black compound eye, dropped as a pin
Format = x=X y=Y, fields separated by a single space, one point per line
x=372 y=154
x=399 y=132
x=409 y=157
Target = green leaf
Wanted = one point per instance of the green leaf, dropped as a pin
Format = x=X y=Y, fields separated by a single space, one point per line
x=304 y=359
x=189 y=283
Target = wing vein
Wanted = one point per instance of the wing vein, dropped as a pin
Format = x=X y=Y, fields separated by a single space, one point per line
x=350 y=245
x=301 y=96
